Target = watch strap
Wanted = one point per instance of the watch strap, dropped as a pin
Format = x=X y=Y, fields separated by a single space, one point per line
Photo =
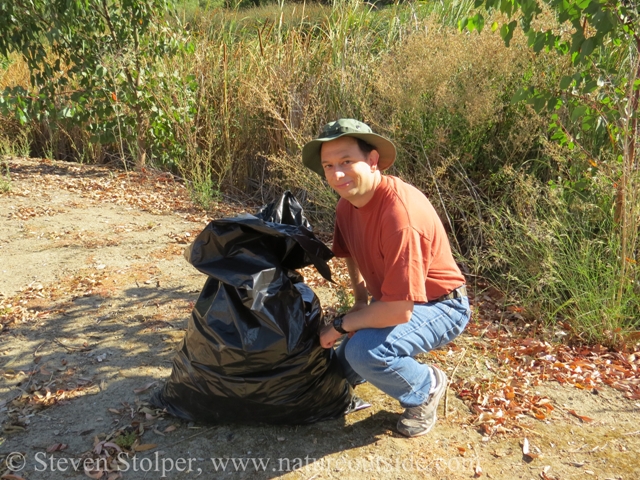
x=337 y=324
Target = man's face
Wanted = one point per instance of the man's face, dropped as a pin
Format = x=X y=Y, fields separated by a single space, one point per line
x=348 y=171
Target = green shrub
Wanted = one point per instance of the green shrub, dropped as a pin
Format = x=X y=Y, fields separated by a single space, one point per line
x=559 y=259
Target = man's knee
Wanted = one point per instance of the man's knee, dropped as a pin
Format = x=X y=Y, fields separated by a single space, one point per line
x=362 y=354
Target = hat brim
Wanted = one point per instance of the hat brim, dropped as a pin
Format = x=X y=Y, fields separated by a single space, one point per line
x=386 y=149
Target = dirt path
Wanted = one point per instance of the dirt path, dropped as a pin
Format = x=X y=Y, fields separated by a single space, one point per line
x=94 y=299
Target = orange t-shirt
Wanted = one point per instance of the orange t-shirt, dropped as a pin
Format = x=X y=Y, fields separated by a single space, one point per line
x=399 y=243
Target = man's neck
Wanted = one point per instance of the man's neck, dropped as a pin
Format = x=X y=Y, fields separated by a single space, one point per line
x=362 y=200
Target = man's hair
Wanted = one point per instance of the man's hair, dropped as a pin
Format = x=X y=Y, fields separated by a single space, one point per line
x=365 y=148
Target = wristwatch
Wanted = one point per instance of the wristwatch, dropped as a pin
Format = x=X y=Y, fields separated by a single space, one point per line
x=337 y=324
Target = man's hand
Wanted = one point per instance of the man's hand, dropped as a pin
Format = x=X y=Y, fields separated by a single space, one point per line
x=329 y=336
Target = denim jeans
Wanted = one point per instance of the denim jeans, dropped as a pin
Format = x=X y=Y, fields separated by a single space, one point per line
x=384 y=356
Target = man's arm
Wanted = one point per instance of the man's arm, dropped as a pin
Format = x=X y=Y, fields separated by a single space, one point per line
x=377 y=315
x=360 y=293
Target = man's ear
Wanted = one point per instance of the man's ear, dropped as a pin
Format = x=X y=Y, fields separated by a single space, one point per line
x=374 y=156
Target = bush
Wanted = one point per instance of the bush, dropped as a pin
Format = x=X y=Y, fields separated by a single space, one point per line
x=94 y=75
x=559 y=259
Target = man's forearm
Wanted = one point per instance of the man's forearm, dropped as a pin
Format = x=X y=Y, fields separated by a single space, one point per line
x=376 y=315
x=379 y=315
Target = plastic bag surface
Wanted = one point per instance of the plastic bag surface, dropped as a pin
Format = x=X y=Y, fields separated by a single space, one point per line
x=251 y=352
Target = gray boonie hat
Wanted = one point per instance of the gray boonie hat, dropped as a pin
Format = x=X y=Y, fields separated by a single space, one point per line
x=348 y=127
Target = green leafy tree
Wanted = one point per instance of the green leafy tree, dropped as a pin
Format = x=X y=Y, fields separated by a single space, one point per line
x=601 y=39
x=93 y=63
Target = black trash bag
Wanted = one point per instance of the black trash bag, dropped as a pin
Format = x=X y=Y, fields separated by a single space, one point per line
x=251 y=352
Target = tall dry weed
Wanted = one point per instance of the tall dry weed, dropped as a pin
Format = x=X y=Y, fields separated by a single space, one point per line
x=265 y=86
x=439 y=69
x=13 y=73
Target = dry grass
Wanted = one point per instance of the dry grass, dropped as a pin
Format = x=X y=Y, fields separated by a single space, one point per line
x=14 y=72
x=267 y=79
x=443 y=69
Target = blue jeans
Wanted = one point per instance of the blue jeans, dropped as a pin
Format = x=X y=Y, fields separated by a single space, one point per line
x=384 y=356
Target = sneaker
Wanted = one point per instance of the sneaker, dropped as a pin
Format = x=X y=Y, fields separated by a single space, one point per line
x=416 y=421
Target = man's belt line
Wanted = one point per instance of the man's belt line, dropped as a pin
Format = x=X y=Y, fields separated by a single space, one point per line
x=461 y=291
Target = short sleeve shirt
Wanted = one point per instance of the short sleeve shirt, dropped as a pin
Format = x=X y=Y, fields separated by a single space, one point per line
x=399 y=244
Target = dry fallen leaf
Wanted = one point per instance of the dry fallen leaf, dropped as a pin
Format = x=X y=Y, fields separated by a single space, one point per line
x=581 y=417
x=145 y=446
x=57 y=447
x=526 y=451
x=170 y=428
x=13 y=429
x=544 y=476
x=145 y=388
x=97 y=474
x=112 y=445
